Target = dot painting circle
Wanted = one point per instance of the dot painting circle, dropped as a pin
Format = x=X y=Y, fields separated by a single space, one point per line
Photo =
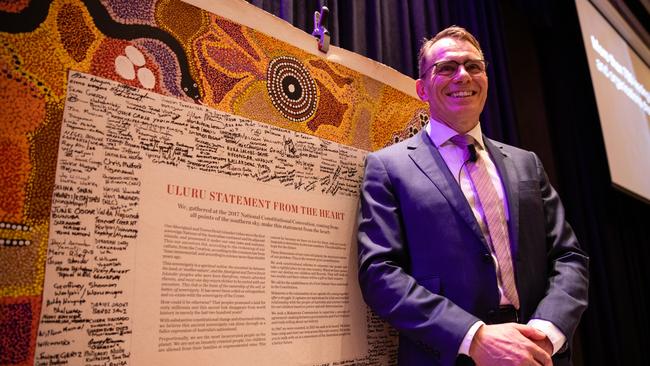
x=291 y=88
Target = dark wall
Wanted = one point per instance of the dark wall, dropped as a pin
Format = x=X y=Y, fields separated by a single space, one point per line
x=557 y=116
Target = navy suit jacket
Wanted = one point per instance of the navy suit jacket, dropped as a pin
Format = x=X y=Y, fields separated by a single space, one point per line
x=425 y=266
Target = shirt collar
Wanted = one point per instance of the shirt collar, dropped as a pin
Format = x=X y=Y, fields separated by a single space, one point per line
x=440 y=133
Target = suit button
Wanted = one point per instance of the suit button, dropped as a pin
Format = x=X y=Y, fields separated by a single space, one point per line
x=487 y=258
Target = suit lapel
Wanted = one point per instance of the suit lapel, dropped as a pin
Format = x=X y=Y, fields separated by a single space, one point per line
x=510 y=180
x=427 y=157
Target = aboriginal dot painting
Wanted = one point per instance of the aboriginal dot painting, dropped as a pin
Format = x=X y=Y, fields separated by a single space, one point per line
x=171 y=48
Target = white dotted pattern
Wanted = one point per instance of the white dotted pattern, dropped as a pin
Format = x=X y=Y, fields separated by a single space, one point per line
x=288 y=69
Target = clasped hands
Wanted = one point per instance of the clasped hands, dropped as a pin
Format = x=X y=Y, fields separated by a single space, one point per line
x=510 y=344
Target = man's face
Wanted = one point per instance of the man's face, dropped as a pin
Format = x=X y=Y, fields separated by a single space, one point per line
x=458 y=99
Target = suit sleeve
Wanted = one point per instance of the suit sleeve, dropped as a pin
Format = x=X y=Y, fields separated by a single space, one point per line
x=431 y=320
x=568 y=266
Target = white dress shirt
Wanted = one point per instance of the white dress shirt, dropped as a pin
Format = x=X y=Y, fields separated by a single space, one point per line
x=453 y=156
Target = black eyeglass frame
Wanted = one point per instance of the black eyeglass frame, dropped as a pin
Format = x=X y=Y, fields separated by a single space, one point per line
x=457 y=66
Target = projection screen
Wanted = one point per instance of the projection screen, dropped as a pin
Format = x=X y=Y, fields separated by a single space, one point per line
x=618 y=63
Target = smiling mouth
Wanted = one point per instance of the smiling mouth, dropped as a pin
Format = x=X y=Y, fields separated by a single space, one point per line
x=461 y=94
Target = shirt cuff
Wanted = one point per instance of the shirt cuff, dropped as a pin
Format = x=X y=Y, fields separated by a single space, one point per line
x=552 y=332
x=469 y=336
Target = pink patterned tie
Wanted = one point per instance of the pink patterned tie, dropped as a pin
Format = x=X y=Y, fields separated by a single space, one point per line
x=494 y=217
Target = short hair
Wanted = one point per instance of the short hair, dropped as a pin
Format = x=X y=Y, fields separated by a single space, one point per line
x=455 y=32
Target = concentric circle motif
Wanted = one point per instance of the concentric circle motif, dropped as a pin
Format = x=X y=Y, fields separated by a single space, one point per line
x=291 y=88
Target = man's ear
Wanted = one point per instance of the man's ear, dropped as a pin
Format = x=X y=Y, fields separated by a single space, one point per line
x=421 y=90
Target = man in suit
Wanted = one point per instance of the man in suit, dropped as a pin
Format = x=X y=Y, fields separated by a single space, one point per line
x=463 y=243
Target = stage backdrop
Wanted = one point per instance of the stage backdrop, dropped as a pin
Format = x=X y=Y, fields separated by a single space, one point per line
x=248 y=75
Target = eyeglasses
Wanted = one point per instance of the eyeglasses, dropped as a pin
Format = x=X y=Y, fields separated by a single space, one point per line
x=449 y=68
